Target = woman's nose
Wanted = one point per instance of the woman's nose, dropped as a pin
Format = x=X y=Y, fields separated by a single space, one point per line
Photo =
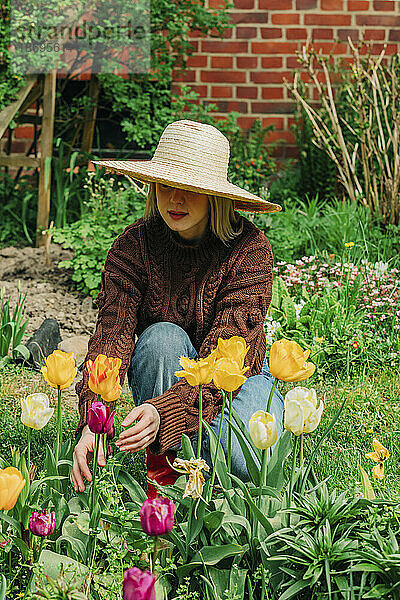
x=177 y=195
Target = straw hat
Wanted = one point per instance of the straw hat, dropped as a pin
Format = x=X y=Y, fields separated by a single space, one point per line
x=191 y=156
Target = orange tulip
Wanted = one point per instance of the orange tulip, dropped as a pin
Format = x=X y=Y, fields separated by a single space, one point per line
x=288 y=362
x=233 y=348
x=197 y=372
x=379 y=456
x=60 y=369
x=228 y=375
x=11 y=484
x=104 y=377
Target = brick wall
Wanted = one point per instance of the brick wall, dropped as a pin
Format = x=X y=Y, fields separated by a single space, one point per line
x=244 y=71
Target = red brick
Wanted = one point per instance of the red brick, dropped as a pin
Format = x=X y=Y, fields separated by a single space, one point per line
x=394 y=35
x=246 y=62
x=246 y=122
x=344 y=34
x=246 y=32
x=390 y=49
x=387 y=5
x=275 y=4
x=269 y=77
x=222 y=62
x=272 y=107
x=275 y=136
x=273 y=47
x=216 y=3
x=225 y=47
x=332 y=4
x=197 y=61
x=379 y=20
x=357 y=5
x=285 y=19
x=244 y=4
x=246 y=92
x=305 y=4
x=272 y=93
x=237 y=106
x=322 y=34
x=292 y=62
x=18 y=146
x=336 y=20
x=221 y=91
x=195 y=33
x=199 y=89
x=296 y=34
x=215 y=33
x=271 y=33
x=277 y=122
x=250 y=17
x=271 y=62
x=25 y=131
x=223 y=76
x=375 y=34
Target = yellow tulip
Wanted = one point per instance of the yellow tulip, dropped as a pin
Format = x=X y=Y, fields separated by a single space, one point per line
x=263 y=431
x=379 y=456
x=301 y=412
x=60 y=369
x=36 y=411
x=193 y=467
x=104 y=377
x=228 y=375
x=11 y=484
x=197 y=372
x=288 y=362
x=233 y=348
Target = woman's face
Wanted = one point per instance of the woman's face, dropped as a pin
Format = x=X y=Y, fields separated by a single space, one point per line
x=193 y=206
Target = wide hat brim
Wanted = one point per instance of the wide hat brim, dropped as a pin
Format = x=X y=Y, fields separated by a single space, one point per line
x=165 y=172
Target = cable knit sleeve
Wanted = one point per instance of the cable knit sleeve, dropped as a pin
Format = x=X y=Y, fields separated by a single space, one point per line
x=123 y=281
x=240 y=309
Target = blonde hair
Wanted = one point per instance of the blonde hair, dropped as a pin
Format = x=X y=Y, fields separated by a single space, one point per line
x=224 y=220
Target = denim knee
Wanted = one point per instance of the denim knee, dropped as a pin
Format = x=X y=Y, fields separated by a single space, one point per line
x=165 y=339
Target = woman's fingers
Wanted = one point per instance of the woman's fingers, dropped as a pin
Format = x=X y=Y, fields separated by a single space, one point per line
x=138 y=444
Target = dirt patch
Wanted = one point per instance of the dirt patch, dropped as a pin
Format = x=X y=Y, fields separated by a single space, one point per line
x=49 y=291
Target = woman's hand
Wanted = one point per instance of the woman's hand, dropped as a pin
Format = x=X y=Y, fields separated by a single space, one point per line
x=142 y=433
x=84 y=450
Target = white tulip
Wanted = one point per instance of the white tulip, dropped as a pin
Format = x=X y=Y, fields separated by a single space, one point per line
x=263 y=431
x=36 y=412
x=302 y=415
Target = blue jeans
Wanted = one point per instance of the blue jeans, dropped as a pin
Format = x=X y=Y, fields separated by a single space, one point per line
x=152 y=372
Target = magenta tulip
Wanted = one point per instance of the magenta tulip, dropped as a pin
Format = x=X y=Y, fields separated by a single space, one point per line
x=157 y=516
x=138 y=585
x=43 y=523
x=100 y=419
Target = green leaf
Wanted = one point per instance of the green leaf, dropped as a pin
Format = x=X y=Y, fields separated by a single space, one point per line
x=253 y=507
x=3 y=587
x=253 y=469
x=133 y=488
x=221 y=467
x=213 y=520
x=187 y=447
x=210 y=555
x=275 y=473
x=368 y=491
x=294 y=589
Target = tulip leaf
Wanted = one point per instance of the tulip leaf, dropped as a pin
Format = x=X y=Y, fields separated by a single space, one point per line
x=213 y=520
x=133 y=488
x=240 y=521
x=3 y=587
x=187 y=447
x=11 y=521
x=282 y=449
x=210 y=555
x=252 y=468
x=368 y=490
x=53 y=564
x=220 y=464
x=253 y=507
x=246 y=434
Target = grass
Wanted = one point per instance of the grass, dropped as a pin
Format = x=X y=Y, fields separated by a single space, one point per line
x=372 y=410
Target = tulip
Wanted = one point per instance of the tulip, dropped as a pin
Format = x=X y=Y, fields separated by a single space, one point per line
x=11 y=484
x=193 y=467
x=36 y=411
x=196 y=372
x=101 y=419
x=301 y=412
x=42 y=524
x=288 y=362
x=60 y=369
x=228 y=375
x=234 y=348
x=263 y=430
x=104 y=377
x=157 y=516
x=379 y=456
x=138 y=585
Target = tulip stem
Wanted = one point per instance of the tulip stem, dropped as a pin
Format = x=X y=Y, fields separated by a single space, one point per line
x=294 y=456
x=230 y=434
x=28 y=466
x=95 y=458
x=301 y=449
x=155 y=553
x=200 y=420
x=263 y=475
x=218 y=443
x=271 y=393
x=59 y=424
x=105 y=446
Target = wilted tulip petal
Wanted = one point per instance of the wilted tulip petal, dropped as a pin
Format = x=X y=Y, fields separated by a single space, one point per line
x=157 y=516
x=263 y=430
x=11 y=484
x=193 y=467
x=288 y=362
x=42 y=524
x=302 y=415
x=379 y=456
x=36 y=411
x=60 y=369
x=138 y=585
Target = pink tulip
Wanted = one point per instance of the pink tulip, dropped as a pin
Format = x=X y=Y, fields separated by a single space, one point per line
x=157 y=516
x=138 y=585
x=43 y=523
x=100 y=419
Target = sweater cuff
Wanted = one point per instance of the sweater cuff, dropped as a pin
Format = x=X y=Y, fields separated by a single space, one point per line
x=172 y=422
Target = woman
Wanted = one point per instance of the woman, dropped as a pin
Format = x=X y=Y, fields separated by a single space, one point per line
x=190 y=271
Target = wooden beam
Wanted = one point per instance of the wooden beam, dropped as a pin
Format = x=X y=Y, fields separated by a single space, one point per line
x=8 y=113
x=19 y=160
x=46 y=151
x=88 y=130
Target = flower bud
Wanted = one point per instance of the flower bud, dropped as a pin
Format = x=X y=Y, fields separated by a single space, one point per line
x=157 y=516
x=138 y=585
x=42 y=524
x=100 y=418
x=263 y=430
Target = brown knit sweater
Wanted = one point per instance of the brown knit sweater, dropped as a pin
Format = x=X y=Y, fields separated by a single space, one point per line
x=211 y=290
